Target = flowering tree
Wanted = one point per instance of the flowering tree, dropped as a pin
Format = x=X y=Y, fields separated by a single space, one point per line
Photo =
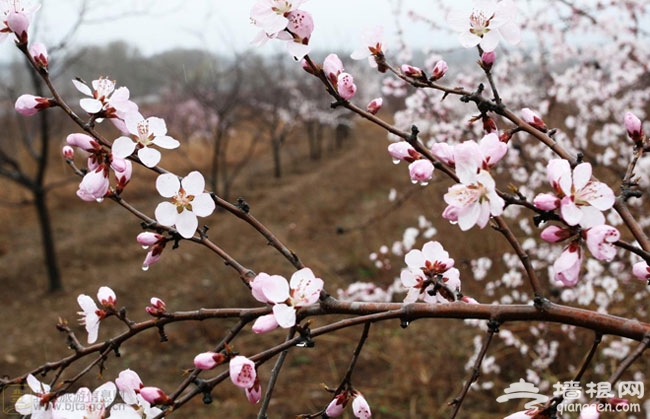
x=488 y=131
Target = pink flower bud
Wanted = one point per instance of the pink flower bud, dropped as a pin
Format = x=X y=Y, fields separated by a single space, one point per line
x=553 y=234
x=411 y=71
x=533 y=119
x=546 y=201
x=94 y=185
x=469 y=300
x=123 y=169
x=421 y=171
x=155 y=396
x=265 y=324
x=402 y=151
x=641 y=270
x=439 y=70
x=450 y=213
x=487 y=60
x=443 y=152
x=38 y=51
x=360 y=407
x=208 y=360
x=242 y=372
x=29 y=105
x=346 y=86
x=83 y=141
x=106 y=297
x=148 y=238
x=68 y=152
x=634 y=128
x=152 y=256
x=375 y=105
x=308 y=68
x=254 y=393
x=332 y=67
x=18 y=22
x=157 y=307
x=337 y=405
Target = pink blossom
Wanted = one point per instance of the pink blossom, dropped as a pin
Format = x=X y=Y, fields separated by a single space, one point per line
x=403 y=151
x=15 y=17
x=18 y=23
x=91 y=315
x=242 y=372
x=641 y=270
x=254 y=392
x=421 y=171
x=129 y=384
x=68 y=152
x=372 y=40
x=374 y=105
x=332 y=67
x=487 y=21
x=265 y=323
x=303 y=290
x=444 y=152
x=271 y=15
x=600 y=241
x=155 y=243
x=105 y=100
x=94 y=185
x=146 y=132
x=38 y=404
x=546 y=201
x=301 y=25
x=553 y=234
x=208 y=360
x=411 y=71
x=581 y=199
x=487 y=60
x=280 y=19
x=474 y=202
x=439 y=70
x=567 y=266
x=84 y=142
x=533 y=119
x=29 y=105
x=337 y=405
x=188 y=202
x=360 y=407
x=346 y=86
x=423 y=266
x=38 y=51
x=157 y=308
x=87 y=405
x=154 y=395
x=634 y=127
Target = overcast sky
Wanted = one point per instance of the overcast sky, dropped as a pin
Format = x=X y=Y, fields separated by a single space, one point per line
x=217 y=25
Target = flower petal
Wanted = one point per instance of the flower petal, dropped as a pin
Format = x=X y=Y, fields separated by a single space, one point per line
x=166 y=214
x=186 y=223
x=193 y=183
x=91 y=105
x=149 y=156
x=168 y=185
x=285 y=315
x=203 y=205
x=123 y=147
x=165 y=141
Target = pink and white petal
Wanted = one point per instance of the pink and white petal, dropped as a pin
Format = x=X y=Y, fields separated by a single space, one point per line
x=82 y=87
x=203 y=205
x=168 y=185
x=484 y=214
x=433 y=251
x=492 y=148
x=361 y=408
x=285 y=315
x=468 y=159
x=91 y=105
x=132 y=120
x=468 y=39
x=305 y=287
x=166 y=214
x=591 y=217
x=149 y=156
x=599 y=195
x=511 y=33
x=123 y=147
x=157 y=126
x=186 y=223
x=468 y=216
x=458 y=20
x=412 y=295
x=105 y=294
x=26 y=403
x=104 y=394
x=581 y=175
x=265 y=324
x=410 y=277
x=297 y=50
x=415 y=259
x=36 y=386
x=490 y=41
x=167 y=142
x=86 y=303
x=193 y=183
x=120 y=95
x=569 y=211
x=92 y=327
x=276 y=289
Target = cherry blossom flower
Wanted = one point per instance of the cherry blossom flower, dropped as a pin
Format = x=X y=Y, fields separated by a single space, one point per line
x=29 y=105
x=634 y=128
x=146 y=132
x=129 y=384
x=487 y=21
x=600 y=241
x=439 y=70
x=155 y=396
x=208 y=360
x=423 y=268
x=337 y=405
x=38 y=51
x=360 y=407
x=271 y=15
x=533 y=119
x=38 y=404
x=157 y=308
x=403 y=151
x=341 y=81
x=303 y=290
x=411 y=71
x=155 y=243
x=567 y=266
x=421 y=171
x=91 y=314
x=372 y=40
x=242 y=372
x=579 y=198
x=68 y=152
x=87 y=405
x=94 y=185
x=15 y=17
x=105 y=101
x=188 y=202
x=281 y=19
x=641 y=270
x=374 y=105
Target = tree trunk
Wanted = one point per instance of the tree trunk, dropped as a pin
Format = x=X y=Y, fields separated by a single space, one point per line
x=276 y=144
x=47 y=241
